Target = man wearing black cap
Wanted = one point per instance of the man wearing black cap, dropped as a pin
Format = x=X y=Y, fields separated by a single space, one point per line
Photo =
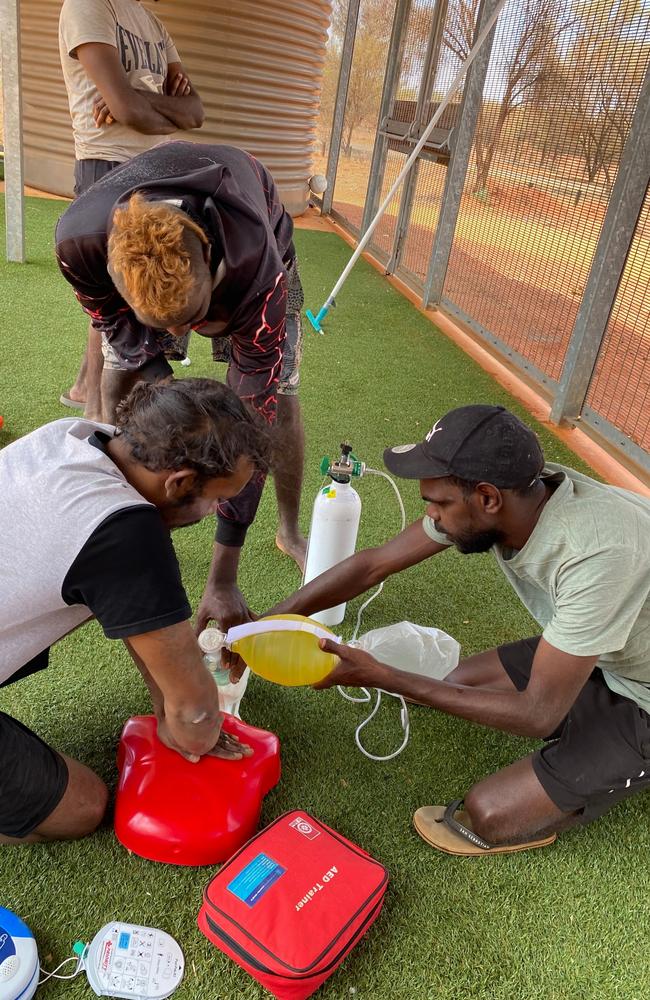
x=577 y=552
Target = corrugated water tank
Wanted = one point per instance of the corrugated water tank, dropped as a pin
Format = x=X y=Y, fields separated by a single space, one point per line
x=257 y=66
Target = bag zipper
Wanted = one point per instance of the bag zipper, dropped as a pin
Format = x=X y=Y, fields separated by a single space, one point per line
x=351 y=847
x=259 y=967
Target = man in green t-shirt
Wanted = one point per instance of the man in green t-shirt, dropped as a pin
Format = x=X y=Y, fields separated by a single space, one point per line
x=577 y=552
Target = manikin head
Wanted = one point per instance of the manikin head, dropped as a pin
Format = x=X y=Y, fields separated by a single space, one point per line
x=159 y=261
x=186 y=446
x=473 y=466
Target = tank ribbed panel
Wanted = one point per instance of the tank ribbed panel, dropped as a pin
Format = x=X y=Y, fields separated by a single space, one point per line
x=47 y=130
x=257 y=66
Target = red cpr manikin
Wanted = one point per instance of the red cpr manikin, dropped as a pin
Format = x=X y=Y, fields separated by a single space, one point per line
x=170 y=810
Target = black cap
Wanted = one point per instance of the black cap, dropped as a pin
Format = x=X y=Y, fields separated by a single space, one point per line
x=485 y=444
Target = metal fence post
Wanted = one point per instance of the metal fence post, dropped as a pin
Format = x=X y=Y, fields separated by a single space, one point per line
x=431 y=60
x=389 y=90
x=461 y=148
x=12 y=110
x=623 y=210
x=339 y=105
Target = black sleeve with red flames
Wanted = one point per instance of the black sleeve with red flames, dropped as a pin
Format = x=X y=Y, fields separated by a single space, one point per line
x=254 y=373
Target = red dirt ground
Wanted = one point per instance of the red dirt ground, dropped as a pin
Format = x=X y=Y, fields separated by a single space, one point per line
x=535 y=321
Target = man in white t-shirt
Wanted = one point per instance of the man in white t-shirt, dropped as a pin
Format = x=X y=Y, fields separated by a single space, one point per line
x=85 y=521
x=577 y=553
x=127 y=92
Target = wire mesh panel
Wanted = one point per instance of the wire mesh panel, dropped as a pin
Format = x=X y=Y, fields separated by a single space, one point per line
x=457 y=35
x=424 y=219
x=403 y=116
x=561 y=90
x=560 y=93
x=331 y=69
x=384 y=235
x=362 y=104
x=620 y=387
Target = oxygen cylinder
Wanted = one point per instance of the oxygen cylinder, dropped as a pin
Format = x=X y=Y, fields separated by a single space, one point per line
x=332 y=537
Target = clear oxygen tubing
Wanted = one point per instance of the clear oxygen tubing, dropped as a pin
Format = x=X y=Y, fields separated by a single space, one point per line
x=366 y=696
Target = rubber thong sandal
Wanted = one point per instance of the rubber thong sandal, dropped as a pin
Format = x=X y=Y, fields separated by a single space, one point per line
x=447 y=829
x=73 y=404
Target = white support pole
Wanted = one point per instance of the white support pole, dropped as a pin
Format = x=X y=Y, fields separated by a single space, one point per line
x=315 y=320
x=13 y=140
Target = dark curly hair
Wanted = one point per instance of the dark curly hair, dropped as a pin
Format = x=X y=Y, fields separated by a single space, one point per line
x=467 y=486
x=192 y=423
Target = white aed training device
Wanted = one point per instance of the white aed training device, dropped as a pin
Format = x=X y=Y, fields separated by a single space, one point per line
x=133 y=962
x=18 y=958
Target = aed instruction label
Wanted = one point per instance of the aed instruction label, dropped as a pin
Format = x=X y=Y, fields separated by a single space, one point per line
x=255 y=879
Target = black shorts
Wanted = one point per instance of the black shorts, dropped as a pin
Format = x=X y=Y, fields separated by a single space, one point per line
x=599 y=754
x=33 y=778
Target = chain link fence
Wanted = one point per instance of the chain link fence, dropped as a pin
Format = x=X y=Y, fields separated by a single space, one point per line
x=526 y=216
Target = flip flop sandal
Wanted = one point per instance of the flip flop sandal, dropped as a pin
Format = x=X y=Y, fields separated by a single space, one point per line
x=447 y=829
x=73 y=404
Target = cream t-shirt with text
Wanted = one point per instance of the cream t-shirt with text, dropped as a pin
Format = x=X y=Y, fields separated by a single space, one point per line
x=584 y=575
x=145 y=49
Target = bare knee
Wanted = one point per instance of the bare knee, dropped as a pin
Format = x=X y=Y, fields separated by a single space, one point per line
x=116 y=385
x=92 y=809
x=485 y=811
x=81 y=809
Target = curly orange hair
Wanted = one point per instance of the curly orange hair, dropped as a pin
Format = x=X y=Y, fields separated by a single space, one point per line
x=148 y=250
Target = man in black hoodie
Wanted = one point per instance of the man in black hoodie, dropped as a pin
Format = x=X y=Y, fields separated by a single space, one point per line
x=188 y=236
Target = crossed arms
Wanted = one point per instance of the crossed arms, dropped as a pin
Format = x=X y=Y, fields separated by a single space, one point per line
x=179 y=107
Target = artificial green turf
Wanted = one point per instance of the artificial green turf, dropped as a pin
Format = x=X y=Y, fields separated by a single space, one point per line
x=570 y=921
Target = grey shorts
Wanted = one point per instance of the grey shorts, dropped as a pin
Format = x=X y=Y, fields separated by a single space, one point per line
x=289 y=381
x=87 y=172
x=174 y=349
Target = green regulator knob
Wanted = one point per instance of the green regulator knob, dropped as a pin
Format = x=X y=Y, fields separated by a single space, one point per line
x=351 y=467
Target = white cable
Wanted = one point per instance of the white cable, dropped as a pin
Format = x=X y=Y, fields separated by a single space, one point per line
x=404 y=719
x=366 y=697
x=53 y=975
x=384 y=475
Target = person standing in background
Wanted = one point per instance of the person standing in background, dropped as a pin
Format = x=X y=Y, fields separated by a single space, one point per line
x=127 y=91
x=195 y=237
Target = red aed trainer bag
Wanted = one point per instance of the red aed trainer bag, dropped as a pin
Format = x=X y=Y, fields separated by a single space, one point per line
x=291 y=904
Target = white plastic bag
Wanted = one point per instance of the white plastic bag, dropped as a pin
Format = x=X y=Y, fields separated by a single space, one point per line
x=414 y=648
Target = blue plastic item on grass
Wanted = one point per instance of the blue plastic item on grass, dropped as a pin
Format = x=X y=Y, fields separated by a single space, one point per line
x=18 y=958
x=315 y=320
